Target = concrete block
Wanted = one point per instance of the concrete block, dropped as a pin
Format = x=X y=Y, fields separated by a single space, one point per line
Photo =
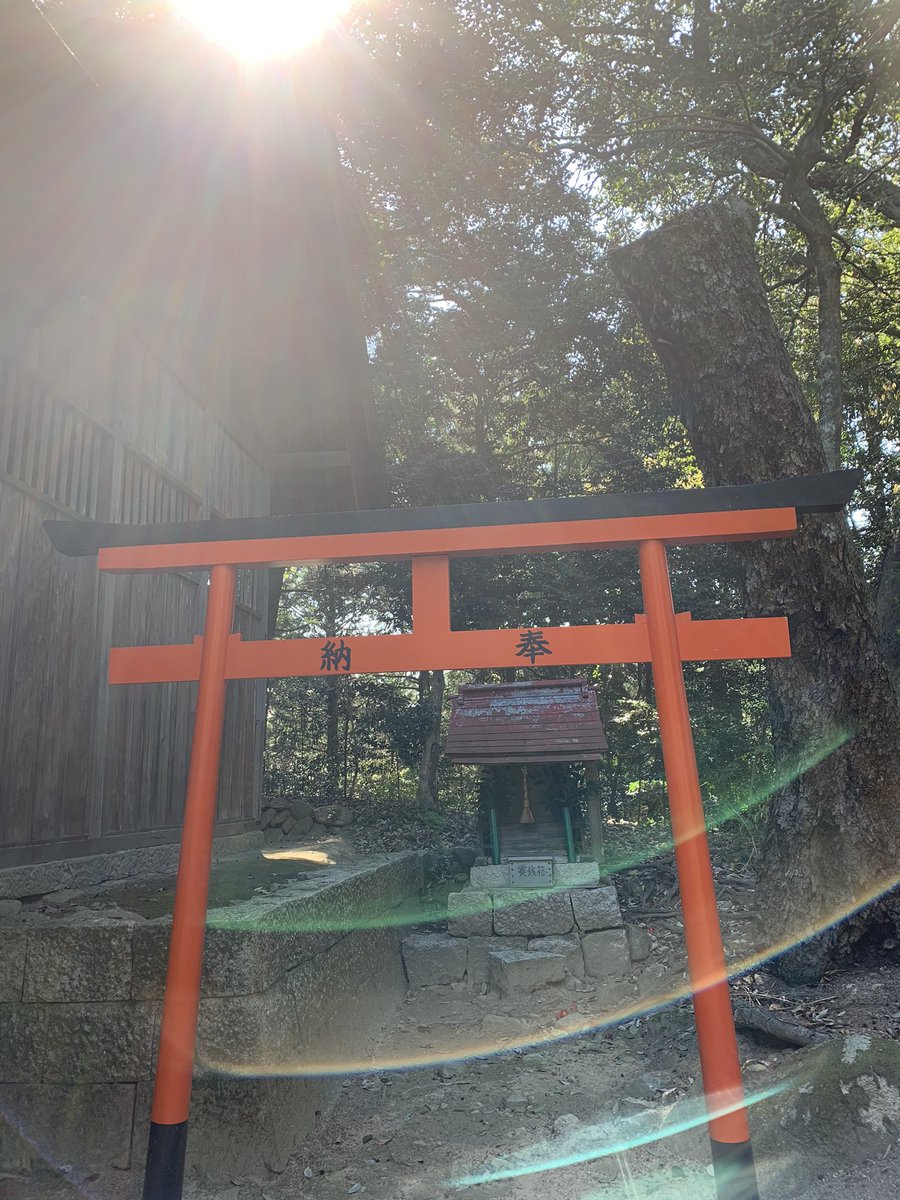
x=33 y=880
x=489 y=878
x=245 y=1127
x=235 y=961
x=577 y=874
x=606 y=954
x=524 y=913
x=22 y=1042
x=12 y=963
x=39 y=878
x=83 y=1125
x=109 y=1042
x=249 y=946
x=520 y=972
x=568 y=946
x=433 y=958
x=257 y=1034
x=150 y=948
x=470 y=914
x=343 y=997
x=87 y=962
x=478 y=950
x=343 y=900
x=596 y=909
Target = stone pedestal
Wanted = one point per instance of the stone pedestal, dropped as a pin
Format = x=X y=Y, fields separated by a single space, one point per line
x=515 y=940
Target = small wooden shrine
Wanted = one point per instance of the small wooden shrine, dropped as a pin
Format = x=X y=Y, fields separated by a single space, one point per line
x=522 y=734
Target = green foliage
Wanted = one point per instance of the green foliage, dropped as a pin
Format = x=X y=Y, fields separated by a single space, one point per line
x=495 y=149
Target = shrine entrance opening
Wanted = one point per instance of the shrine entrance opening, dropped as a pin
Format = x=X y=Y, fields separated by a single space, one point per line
x=429 y=538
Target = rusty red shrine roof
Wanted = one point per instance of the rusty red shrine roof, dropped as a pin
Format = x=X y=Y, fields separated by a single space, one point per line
x=540 y=721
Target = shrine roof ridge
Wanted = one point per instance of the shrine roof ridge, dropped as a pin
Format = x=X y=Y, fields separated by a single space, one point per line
x=827 y=492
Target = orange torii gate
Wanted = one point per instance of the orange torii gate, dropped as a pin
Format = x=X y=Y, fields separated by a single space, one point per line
x=429 y=537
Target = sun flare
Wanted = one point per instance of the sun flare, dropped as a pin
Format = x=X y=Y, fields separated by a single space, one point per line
x=257 y=30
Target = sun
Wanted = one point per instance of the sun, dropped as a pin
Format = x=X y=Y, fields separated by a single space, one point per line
x=257 y=30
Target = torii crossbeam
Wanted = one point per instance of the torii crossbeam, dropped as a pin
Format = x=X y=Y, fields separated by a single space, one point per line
x=430 y=537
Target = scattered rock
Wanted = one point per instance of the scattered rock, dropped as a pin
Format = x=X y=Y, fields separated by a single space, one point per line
x=63 y=897
x=331 y=815
x=301 y=809
x=639 y=943
x=646 y=1086
x=606 y=954
x=564 y=1124
x=464 y=857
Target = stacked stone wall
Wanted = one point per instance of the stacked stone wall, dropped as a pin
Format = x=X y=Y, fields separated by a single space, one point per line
x=295 y=986
x=514 y=940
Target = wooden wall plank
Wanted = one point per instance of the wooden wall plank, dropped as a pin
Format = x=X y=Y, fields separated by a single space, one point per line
x=110 y=761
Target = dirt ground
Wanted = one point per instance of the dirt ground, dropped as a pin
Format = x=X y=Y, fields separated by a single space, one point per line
x=467 y=1095
x=555 y=1101
x=471 y=1096
x=519 y=1119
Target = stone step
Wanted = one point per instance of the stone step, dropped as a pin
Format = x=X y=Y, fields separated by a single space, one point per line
x=520 y=972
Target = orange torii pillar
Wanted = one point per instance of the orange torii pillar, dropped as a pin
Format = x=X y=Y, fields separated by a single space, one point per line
x=729 y=1130
x=164 y=1172
x=428 y=537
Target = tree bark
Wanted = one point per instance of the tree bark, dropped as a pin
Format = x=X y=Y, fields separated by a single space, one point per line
x=845 y=180
x=332 y=738
x=887 y=606
x=834 y=825
x=433 y=703
x=830 y=356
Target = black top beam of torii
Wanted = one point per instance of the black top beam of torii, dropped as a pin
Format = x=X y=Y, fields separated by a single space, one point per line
x=827 y=492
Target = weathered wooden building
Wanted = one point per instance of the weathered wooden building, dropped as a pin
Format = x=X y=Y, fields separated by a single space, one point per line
x=180 y=336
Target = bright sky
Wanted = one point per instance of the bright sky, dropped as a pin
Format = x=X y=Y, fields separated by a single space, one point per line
x=256 y=30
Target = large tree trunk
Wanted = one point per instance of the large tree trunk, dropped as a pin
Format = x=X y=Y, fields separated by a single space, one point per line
x=431 y=697
x=830 y=356
x=834 y=826
x=887 y=606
